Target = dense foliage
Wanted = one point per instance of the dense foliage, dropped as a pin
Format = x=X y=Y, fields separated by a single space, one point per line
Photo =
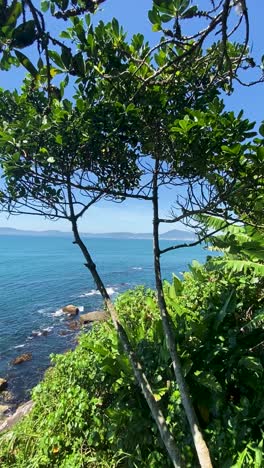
x=89 y=411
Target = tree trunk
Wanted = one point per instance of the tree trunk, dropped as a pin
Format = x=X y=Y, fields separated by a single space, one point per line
x=200 y=445
x=136 y=365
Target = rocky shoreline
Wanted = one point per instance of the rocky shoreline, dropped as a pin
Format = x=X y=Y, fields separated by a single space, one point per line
x=10 y=414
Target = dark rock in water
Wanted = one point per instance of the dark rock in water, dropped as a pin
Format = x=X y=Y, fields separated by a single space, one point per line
x=64 y=332
x=23 y=358
x=3 y=410
x=95 y=316
x=73 y=325
x=7 y=396
x=3 y=384
x=70 y=309
x=14 y=418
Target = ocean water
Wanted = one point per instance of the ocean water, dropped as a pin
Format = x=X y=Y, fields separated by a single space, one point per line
x=39 y=275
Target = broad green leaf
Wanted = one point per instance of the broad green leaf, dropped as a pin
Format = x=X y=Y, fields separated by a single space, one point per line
x=45 y=6
x=115 y=26
x=208 y=380
x=56 y=58
x=261 y=129
x=13 y=12
x=228 y=308
x=26 y=63
x=24 y=35
x=177 y=285
x=251 y=363
x=66 y=57
x=153 y=16
x=58 y=139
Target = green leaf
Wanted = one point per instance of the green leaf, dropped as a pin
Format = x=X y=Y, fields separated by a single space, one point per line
x=208 y=380
x=45 y=6
x=115 y=26
x=66 y=57
x=87 y=20
x=166 y=18
x=80 y=32
x=166 y=6
x=156 y=27
x=58 y=139
x=78 y=64
x=228 y=307
x=80 y=104
x=65 y=35
x=177 y=285
x=261 y=129
x=24 y=35
x=251 y=363
x=151 y=304
x=13 y=12
x=43 y=150
x=26 y=63
x=56 y=58
x=153 y=16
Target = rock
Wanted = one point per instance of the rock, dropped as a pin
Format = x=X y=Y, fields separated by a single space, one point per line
x=95 y=316
x=64 y=332
x=14 y=418
x=7 y=396
x=73 y=325
x=70 y=309
x=3 y=410
x=3 y=384
x=23 y=358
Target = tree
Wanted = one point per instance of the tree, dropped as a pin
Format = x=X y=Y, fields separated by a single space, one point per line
x=52 y=180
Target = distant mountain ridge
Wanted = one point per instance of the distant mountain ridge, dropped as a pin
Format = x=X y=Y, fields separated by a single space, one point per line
x=174 y=234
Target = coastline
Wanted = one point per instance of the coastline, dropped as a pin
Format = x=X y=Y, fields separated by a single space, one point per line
x=17 y=410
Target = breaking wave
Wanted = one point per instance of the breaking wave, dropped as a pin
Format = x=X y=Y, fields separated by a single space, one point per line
x=95 y=292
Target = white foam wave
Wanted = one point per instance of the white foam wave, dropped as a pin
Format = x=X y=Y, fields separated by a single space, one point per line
x=36 y=333
x=43 y=311
x=95 y=292
x=58 y=313
x=48 y=329
x=41 y=332
x=19 y=346
x=137 y=268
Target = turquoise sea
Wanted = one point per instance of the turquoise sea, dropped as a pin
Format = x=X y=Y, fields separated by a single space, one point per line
x=39 y=275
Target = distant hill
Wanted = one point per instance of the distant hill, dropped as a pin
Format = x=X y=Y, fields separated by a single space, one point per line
x=174 y=234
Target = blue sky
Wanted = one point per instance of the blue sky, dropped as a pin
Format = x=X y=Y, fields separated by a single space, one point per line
x=133 y=215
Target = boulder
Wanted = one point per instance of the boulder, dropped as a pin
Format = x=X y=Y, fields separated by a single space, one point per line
x=70 y=309
x=14 y=418
x=97 y=315
x=7 y=396
x=3 y=410
x=64 y=332
x=23 y=358
x=73 y=325
x=3 y=384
